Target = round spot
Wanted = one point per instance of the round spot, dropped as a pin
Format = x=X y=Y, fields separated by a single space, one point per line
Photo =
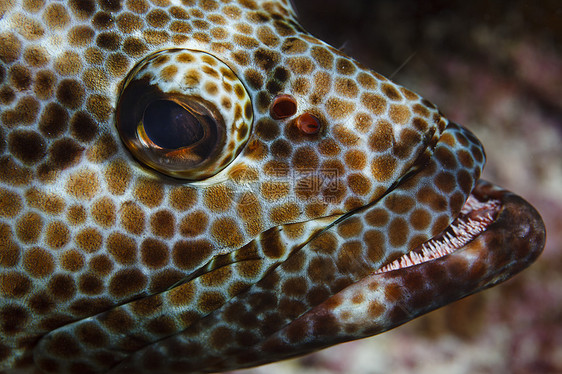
x=64 y=153
x=132 y=218
x=399 y=114
x=284 y=213
x=27 y=146
x=226 y=232
x=101 y=265
x=70 y=93
x=134 y=47
x=68 y=63
x=382 y=138
x=14 y=285
x=251 y=270
x=359 y=184
x=36 y=56
x=117 y=64
x=41 y=303
x=191 y=254
x=104 y=212
x=193 y=224
x=90 y=285
x=162 y=223
x=182 y=198
x=267 y=129
x=56 y=17
x=210 y=301
x=80 y=36
x=465 y=181
x=76 y=215
x=83 y=184
x=218 y=198
x=304 y=158
x=383 y=168
x=321 y=270
x=356 y=159
x=182 y=294
x=445 y=181
x=154 y=253
x=149 y=192
x=375 y=104
x=295 y=286
x=89 y=240
x=72 y=260
x=57 y=235
x=83 y=127
x=53 y=120
x=346 y=87
x=20 y=77
x=10 y=47
x=273 y=191
x=28 y=228
x=118 y=176
x=108 y=40
x=391 y=92
x=447 y=159
x=92 y=335
x=351 y=227
x=420 y=219
x=345 y=66
x=127 y=283
x=217 y=278
x=329 y=147
x=13 y=320
x=399 y=204
x=398 y=231
x=44 y=86
x=62 y=287
x=122 y=248
x=377 y=217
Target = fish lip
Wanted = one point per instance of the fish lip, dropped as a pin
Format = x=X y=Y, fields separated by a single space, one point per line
x=517 y=236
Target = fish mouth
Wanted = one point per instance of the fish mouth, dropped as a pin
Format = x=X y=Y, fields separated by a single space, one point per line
x=497 y=227
x=476 y=216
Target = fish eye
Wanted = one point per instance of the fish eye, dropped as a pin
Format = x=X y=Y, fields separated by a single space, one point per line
x=184 y=113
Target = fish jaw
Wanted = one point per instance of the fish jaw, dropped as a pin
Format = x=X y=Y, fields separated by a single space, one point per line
x=383 y=301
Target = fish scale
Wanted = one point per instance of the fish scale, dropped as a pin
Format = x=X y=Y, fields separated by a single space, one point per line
x=129 y=246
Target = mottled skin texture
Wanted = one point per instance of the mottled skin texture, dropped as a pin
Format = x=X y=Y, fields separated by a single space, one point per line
x=261 y=245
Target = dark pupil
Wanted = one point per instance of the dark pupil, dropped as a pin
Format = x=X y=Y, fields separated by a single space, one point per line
x=170 y=125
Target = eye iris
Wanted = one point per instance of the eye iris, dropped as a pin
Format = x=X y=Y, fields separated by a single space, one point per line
x=170 y=125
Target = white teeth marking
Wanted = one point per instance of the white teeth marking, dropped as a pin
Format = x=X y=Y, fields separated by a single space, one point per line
x=464 y=229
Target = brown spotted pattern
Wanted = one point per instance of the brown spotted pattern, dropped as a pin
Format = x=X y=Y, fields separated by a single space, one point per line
x=108 y=264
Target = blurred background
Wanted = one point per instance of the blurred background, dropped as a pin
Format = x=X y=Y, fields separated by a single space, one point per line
x=496 y=68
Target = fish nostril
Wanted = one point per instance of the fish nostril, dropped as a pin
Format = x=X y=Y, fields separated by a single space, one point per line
x=284 y=106
x=308 y=124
